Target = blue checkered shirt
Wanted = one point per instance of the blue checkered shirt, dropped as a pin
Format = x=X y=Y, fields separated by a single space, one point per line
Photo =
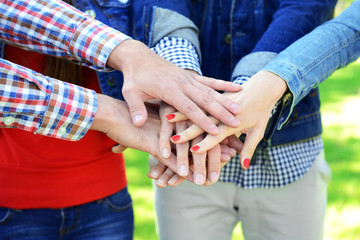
x=274 y=166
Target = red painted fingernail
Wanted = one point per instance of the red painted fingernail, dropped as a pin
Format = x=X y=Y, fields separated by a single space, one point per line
x=175 y=138
x=246 y=163
x=195 y=148
x=170 y=116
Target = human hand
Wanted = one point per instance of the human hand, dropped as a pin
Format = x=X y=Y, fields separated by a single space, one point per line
x=256 y=100
x=148 y=76
x=164 y=176
x=113 y=119
x=205 y=166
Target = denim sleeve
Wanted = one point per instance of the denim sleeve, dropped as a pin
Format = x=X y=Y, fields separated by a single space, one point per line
x=292 y=20
x=252 y=63
x=313 y=58
x=161 y=19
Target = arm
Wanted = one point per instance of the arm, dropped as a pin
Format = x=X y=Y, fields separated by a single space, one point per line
x=33 y=102
x=313 y=58
x=159 y=19
x=260 y=94
x=59 y=29
x=56 y=28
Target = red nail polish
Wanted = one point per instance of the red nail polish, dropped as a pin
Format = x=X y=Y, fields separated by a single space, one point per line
x=175 y=138
x=246 y=163
x=195 y=148
x=170 y=116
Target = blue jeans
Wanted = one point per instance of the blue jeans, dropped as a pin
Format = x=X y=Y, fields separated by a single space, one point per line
x=110 y=218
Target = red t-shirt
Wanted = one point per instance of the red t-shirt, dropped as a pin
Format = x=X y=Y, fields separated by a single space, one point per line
x=43 y=172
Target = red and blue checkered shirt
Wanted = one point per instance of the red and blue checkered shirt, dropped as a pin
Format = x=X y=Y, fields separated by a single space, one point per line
x=34 y=102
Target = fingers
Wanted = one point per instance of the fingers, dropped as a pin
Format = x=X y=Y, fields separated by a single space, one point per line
x=190 y=133
x=166 y=131
x=210 y=141
x=208 y=99
x=190 y=108
x=199 y=160
x=157 y=171
x=164 y=176
x=182 y=152
x=213 y=164
x=226 y=153
x=118 y=148
x=136 y=106
x=251 y=141
x=235 y=143
x=176 y=117
x=219 y=84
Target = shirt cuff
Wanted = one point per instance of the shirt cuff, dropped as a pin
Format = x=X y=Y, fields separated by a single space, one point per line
x=178 y=51
x=94 y=41
x=70 y=113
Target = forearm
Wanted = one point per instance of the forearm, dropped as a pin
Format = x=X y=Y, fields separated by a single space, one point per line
x=313 y=58
x=42 y=105
x=56 y=28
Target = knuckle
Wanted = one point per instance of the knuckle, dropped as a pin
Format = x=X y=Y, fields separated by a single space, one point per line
x=207 y=96
x=190 y=108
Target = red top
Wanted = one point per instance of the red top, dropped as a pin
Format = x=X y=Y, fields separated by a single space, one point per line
x=42 y=172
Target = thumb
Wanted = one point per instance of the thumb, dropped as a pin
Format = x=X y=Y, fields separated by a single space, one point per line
x=251 y=141
x=137 y=108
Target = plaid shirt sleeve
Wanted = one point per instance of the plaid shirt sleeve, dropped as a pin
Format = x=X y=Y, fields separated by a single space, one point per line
x=36 y=103
x=56 y=28
x=33 y=102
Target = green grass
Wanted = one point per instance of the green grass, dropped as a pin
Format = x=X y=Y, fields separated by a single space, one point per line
x=340 y=97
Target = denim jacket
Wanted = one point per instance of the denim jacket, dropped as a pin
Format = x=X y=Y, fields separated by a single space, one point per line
x=329 y=47
x=238 y=38
x=116 y=14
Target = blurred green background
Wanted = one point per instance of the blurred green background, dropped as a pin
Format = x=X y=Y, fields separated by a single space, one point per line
x=340 y=97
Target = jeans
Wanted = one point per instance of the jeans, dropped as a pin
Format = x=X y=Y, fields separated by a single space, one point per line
x=110 y=218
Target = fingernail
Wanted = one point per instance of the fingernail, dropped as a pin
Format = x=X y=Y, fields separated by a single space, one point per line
x=213 y=177
x=138 y=119
x=213 y=129
x=246 y=163
x=175 y=138
x=183 y=171
x=195 y=148
x=170 y=116
x=173 y=180
x=199 y=179
x=235 y=108
x=232 y=152
x=160 y=182
x=165 y=153
x=234 y=121
x=155 y=173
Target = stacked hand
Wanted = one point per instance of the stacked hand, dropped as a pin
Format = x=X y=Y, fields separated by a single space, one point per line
x=256 y=100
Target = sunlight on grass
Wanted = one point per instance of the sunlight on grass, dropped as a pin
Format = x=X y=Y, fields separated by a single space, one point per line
x=349 y=219
x=340 y=97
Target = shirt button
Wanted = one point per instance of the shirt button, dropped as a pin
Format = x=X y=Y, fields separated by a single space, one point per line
x=123 y=1
x=91 y=13
x=62 y=129
x=8 y=120
x=111 y=82
x=228 y=39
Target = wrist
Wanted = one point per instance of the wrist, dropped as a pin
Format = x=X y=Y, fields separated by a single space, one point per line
x=122 y=57
x=109 y=110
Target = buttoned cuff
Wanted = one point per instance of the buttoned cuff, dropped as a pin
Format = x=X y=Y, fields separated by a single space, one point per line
x=70 y=113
